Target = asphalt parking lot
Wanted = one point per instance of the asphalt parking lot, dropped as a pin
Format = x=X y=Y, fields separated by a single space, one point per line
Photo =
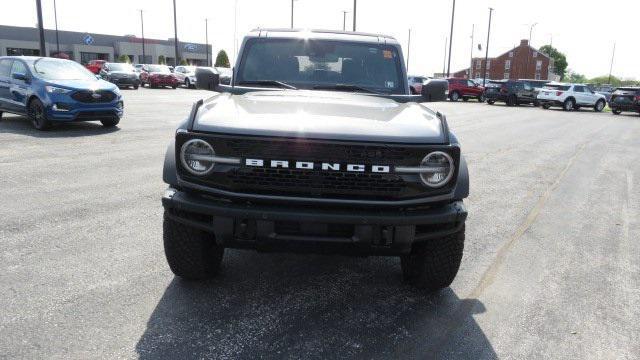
x=550 y=267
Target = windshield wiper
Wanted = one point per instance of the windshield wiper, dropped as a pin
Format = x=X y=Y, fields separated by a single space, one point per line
x=345 y=87
x=268 y=83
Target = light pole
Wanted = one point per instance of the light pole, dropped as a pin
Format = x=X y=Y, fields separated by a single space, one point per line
x=473 y=28
x=344 y=20
x=55 y=17
x=444 y=62
x=453 y=13
x=175 y=33
x=206 y=38
x=40 y=27
x=486 y=56
x=355 y=9
x=292 y=1
x=529 y=48
x=144 y=57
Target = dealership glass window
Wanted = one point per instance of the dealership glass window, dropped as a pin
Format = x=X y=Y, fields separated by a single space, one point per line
x=507 y=65
x=145 y=60
x=22 y=52
x=85 y=57
x=171 y=61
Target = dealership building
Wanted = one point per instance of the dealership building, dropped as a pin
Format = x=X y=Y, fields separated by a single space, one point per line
x=84 y=47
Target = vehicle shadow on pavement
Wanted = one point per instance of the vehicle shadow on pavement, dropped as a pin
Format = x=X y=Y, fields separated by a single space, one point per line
x=307 y=306
x=20 y=125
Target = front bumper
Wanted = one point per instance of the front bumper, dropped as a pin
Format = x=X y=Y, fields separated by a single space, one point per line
x=125 y=81
x=314 y=229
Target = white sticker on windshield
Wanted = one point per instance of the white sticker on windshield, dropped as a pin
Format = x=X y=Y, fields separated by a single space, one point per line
x=390 y=84
x=373 y=50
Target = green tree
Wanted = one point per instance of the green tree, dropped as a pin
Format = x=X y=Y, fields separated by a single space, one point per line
x=574 y=77
x=559 y=60
x=222 y=60
x=162 y=60
x=184 y=62
x=124 y=59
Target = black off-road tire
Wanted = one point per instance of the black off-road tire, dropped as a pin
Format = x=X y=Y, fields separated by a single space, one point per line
x=38 y=115
x=110 y=123
x=191 y=253
x=433 y=265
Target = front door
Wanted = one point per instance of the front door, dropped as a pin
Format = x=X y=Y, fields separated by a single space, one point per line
x=5 y=82
x=18 y=89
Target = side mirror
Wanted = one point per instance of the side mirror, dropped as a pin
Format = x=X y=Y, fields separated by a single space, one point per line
x=435 y=90
x=207 y=79
x=20 y=76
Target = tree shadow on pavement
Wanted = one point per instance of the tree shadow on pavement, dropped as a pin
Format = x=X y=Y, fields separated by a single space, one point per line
x=20 y=125
x=308 y=306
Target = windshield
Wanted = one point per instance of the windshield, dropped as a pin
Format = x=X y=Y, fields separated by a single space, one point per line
x=50 y=69
x=159 y=69
x=322 y=63
x=119 y=67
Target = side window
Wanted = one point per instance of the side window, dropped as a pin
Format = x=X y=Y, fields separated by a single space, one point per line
x=5 y=67
x=470 y=83
x=18 y=68
x=578 y=89
x=527 y=87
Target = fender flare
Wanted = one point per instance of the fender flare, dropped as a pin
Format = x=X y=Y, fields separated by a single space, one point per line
x=462 y=184
x=169 y=171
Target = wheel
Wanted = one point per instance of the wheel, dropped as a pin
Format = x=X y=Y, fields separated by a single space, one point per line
x=481 y=98
x=599 y=106
x=536 y=103
x=512 y=100
x=491 y=102
x=37 y=115
x=191 y=253
x=433 y=265
x=465 y=99
x=568 y=105
x=187 y=83
x=616 y=111
x=174 y=86
x=0 y=115
x=455 y=96
x=136 y=86
x=546 y=106
x=110 y=122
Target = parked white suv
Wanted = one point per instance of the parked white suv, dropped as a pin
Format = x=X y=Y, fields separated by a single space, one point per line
x=570 y=97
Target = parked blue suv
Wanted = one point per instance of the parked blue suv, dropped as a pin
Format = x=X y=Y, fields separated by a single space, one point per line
x=49 y=90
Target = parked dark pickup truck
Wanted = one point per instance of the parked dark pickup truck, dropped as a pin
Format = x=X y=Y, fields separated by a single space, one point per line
x=317 y=146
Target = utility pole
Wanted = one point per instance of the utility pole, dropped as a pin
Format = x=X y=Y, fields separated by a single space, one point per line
x=40 y=27
x=612 y=57
x=292 y=1
x=344 y=20
x=175 y=33
x=473 y=28
x=355 y=8
x=453 y=13
x=486 y=56
x=408 y=49
x=55 y=17
x=144 y=57
x=206 y=38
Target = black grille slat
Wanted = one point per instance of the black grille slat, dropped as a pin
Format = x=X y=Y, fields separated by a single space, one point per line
x=86 y=96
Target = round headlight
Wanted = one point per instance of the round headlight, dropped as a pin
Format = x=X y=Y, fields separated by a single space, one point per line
x=197 y=157
x=437 y=169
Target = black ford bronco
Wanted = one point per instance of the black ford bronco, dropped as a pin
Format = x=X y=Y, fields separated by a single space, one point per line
x=317 y=145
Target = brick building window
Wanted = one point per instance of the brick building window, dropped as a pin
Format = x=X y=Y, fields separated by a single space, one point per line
x=507 y=65
x=506 y=75
x=488 y=64
x=535 y=54
x=538 y=76
x=478 y=64
x=510 y=53
x=538 y=65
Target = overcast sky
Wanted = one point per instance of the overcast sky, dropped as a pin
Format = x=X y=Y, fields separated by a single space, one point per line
x=581 y=29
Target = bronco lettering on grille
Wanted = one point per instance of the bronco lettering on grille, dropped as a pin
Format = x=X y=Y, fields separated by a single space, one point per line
x=306 y=165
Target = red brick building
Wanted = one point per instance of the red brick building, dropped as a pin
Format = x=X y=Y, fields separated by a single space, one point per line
x=521 y=62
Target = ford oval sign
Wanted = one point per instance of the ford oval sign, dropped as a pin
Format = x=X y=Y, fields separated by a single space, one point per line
x=191 y=47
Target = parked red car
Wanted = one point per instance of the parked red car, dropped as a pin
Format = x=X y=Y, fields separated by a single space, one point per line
x=465 y=89
x=160 y=75
x=95 y=66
